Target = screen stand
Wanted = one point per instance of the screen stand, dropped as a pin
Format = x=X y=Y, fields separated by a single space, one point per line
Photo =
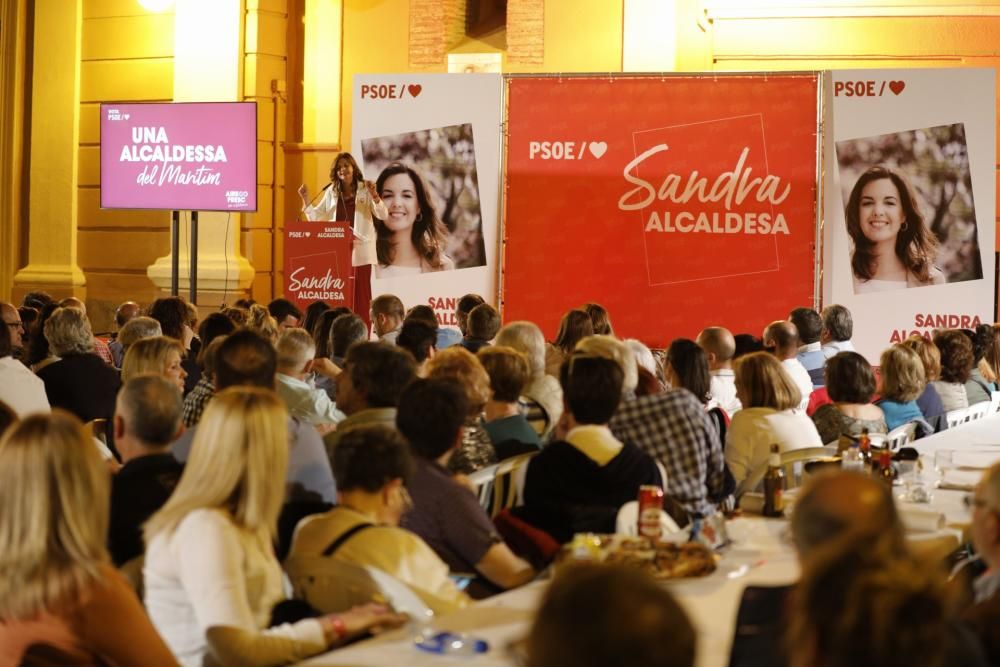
x=175 y=235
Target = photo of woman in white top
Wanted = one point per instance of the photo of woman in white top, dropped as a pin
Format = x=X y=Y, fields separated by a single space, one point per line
x=410 y=237
x=893 y=248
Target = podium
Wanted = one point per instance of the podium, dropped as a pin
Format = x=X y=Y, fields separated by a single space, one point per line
x=318 y=263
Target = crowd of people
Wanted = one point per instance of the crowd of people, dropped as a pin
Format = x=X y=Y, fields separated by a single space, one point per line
x=194 y=463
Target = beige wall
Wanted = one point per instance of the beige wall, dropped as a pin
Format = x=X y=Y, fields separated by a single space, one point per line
x=126 y=55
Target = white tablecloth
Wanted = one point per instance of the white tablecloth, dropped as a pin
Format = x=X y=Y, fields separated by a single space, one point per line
x=761 y=554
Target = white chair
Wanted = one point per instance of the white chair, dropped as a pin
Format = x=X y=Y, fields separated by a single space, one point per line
x=901 y=436
x=994 y=403
x=789 y=461
x=627 y=522
x=957 y=417
x=500 y=486
x=977 y=411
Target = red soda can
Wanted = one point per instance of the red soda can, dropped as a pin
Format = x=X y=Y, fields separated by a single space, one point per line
x=650 y=505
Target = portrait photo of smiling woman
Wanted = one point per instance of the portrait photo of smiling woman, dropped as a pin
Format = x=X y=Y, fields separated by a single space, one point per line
x=893 y=248
x=909 y=210
x=429 y=183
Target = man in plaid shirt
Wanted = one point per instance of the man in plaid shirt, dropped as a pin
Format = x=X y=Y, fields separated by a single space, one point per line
x=673 y=428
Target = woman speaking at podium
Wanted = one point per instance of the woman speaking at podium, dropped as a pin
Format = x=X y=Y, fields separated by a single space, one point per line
x=348 y=197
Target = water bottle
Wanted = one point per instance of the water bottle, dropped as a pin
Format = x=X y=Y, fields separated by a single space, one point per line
x=853 y=459
x=448 y=643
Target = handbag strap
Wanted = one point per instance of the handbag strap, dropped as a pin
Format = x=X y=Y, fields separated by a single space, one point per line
x=346 y=535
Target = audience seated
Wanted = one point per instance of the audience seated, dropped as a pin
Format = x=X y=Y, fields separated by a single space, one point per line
x=372 y=464
x=599 y=319
x=172 y=314
x=977 y=387
x=368 y=390
x=195 y=402
x=810 y=325
x=989 y=366
x=509 y=430
x=601 y=615
x=462 y=310
x=39 y=355
x=147 y=420
x=782 y=340
x=446 y=514
x=123 y=314
x=28 y=317
x=984 y=616
x=647 y=362
x=901 y=381
x=321 y=331
x=574 y=327
x=136 y=329
x=245 y=359
x=476 y=450
x=159 y=356
x=79 y=381
x=483 y=325
x=956 y=367
x=578 y=484
x=770 y=415
x=674 y=429
x=210 y=573
x=445 y=336
x=851 y=384
x=16 y=328
x=296 y=360
x=261 y=322
x=541 y=399
x=863 y=599
x=419 y=339
x=285 y=313
x=100 y=347
x=20 y=389
x=346 y=330
x=59 y=595
x=686 y=367
x=312 y=316
x=720 y=347
x=387 y=317
x=929 y=401
x=838 y=328
x=746 y=344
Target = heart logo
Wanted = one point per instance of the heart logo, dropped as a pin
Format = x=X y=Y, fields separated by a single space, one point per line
x=598 y=148
x=414 y=89
x=125 y=116
x=897 y=86
x=308 y=234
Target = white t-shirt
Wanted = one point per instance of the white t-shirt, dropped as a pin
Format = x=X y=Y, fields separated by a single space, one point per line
x=752 y=432
x=800 y=376
x=723 y=390
x=21 y=389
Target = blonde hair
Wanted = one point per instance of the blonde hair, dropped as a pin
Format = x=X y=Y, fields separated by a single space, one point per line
x=902 y=374
x=929 y=355
x=458 y=364
x=54 y=496
x=238 y=462
x=765 y=383
x=261 y=321
x=148 y=356
x=609 y=347
x=68 y=332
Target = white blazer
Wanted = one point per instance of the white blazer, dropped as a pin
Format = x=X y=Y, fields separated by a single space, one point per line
x=364 y=227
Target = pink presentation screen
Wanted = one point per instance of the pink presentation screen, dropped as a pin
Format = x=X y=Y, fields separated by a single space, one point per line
x=199 y=156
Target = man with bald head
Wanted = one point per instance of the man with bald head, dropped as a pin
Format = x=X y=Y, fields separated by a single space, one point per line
x=20 y=389
x=781 y=338
x=12 y=321
x=720 y=347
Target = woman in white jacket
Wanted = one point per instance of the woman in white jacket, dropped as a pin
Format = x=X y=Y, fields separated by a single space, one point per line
x=349 y=197
x=211 y=576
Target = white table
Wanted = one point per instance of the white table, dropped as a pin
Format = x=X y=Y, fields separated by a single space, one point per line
x=761 y=555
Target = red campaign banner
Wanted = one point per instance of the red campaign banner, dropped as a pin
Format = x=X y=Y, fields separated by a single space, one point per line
x=675 y=202
x=318 y=263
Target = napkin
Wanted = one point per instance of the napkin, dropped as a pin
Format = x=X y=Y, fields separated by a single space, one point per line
x=917 y=520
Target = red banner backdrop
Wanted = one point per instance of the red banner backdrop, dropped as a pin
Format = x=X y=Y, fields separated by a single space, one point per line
x=318 y=263
x=676 y=202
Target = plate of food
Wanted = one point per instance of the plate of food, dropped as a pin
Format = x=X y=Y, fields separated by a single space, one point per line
x=663 y=560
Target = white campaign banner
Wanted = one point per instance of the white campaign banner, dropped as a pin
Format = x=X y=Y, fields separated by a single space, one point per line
x=431 y=142
x=910 y=201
